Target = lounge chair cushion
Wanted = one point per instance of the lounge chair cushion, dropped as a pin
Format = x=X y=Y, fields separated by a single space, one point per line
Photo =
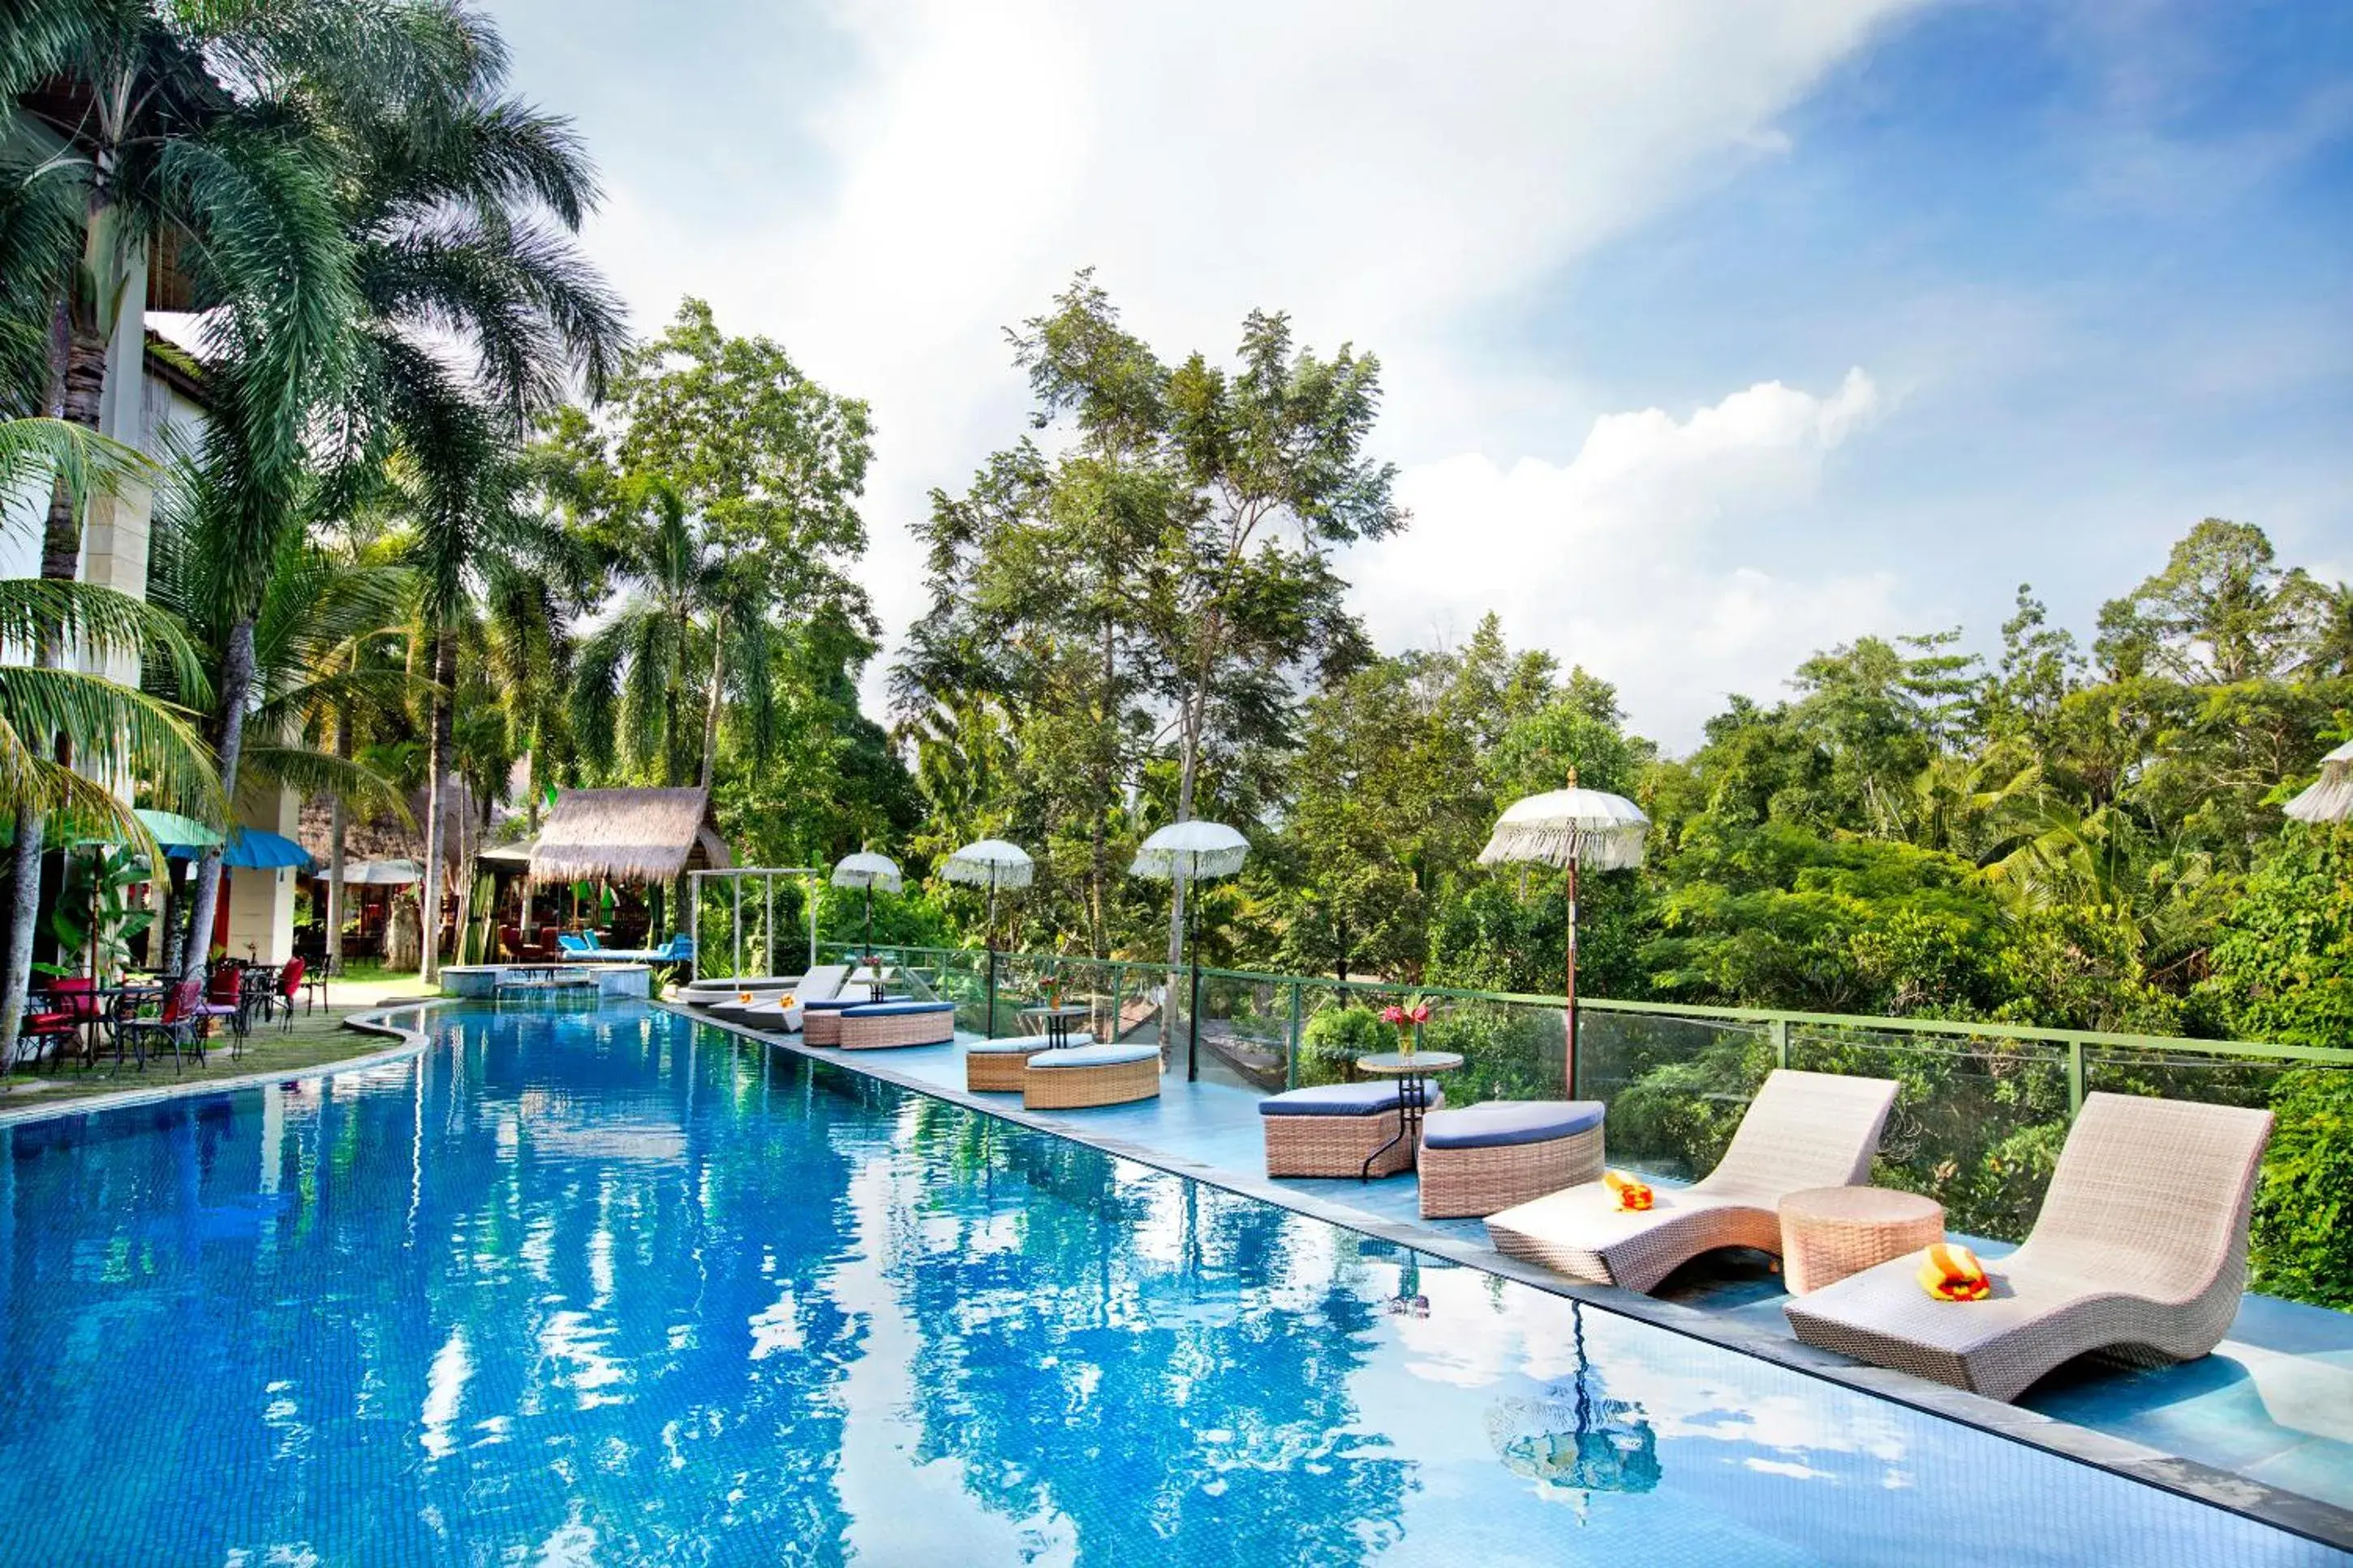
x=891 y=1009
x=1094 y=1056
x=1022 y=1045
x=1332 y=1100
x=1500 y=1123
x=844 y=1004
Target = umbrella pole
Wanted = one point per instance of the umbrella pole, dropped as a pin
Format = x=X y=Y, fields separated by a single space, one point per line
x=1192 y=1038
x=988 y=1030
x=1571 y=1014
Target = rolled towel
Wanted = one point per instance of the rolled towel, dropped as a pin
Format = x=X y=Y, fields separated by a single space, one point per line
x=1952 y=1273
x=1633 y=1193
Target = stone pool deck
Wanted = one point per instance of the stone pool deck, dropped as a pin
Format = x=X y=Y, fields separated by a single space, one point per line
x=2263 y=1426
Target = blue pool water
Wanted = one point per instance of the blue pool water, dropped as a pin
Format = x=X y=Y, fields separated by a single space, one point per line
x=603 y=1288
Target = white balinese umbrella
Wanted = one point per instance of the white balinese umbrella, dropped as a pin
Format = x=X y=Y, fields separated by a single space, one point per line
x=2330 y=798
x=381 y=873
x=991 y=863
x=868 y=870
x=1570 y=828
x=1181 y=852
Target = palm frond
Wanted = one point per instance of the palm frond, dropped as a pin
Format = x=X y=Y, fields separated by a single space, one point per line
x=115 y=733
x=103 y=622
x=315 y=772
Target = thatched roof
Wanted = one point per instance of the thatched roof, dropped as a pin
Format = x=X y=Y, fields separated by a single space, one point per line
x=627 y=836
x=383 y=837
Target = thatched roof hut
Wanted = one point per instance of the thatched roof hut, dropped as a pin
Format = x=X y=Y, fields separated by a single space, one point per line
x=627 y=836
x=385 y=838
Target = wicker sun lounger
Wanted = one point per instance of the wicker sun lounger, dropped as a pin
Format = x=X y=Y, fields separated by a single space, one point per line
x=2140 y=1253
x=1803 y=1130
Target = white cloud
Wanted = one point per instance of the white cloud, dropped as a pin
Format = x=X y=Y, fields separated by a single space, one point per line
x=1388 y=172
x=1632 y=558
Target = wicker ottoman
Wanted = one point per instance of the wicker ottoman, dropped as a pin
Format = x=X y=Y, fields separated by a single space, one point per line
x=1332 y=1129
x=995 y=1066
x=821 y=1021
x=1828 y=1233
x=1082 y=1076
x=882 y=1025
x=1483 y=1158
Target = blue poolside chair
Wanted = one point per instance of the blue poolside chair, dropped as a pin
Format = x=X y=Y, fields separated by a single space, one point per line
x=571 y=943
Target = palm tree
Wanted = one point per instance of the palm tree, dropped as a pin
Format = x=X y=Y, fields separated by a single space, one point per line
x=48 y=714
x=461 y=205
x=456 y=203
x=317 y=611
x=636 y=676
x=153 y=140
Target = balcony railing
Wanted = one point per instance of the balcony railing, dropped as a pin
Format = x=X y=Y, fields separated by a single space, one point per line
x=1983 y=1110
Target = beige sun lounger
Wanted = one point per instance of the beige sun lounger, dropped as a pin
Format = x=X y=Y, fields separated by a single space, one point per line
x=1803 y=1130
x=819 y=984
x=2141 y=1252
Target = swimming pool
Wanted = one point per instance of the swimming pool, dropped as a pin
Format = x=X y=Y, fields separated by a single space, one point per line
x=602 y=1288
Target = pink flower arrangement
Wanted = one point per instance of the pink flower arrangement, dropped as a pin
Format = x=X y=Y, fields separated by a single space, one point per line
x=1408 y=1016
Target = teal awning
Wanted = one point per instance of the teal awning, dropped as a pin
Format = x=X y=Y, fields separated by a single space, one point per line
x=183 y=838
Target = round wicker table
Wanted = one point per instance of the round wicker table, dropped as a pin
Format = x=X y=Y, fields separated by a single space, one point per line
x=1828 y=1233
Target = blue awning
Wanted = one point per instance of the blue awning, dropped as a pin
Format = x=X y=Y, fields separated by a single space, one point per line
x=253 y=848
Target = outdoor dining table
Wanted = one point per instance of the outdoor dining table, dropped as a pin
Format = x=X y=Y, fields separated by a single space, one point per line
x=1413 y=1071
x=105 y=995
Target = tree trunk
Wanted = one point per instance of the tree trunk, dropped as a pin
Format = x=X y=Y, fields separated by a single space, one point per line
x=77 y=380
x=1099 y=873
x=85 y=384
x=718 y=687
x=338 y=827
x=235 y=687
x=436 y=765
x=27 y=900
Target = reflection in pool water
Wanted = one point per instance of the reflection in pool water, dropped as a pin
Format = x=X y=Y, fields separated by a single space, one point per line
x=595 y=1288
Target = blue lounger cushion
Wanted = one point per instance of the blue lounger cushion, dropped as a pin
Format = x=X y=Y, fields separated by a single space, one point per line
x=893 y=1009
x=1022 y=1045
x=1501 y=1122
x=1332 y=1100
x=1094 y=1056
x=843 y=1004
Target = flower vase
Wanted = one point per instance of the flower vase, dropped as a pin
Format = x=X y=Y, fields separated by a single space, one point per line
x=1409 y=1039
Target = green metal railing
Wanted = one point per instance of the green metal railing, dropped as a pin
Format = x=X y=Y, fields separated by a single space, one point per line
x=1982 y=1110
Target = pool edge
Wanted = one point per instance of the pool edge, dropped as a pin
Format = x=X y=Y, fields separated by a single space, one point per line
x=371 y=1022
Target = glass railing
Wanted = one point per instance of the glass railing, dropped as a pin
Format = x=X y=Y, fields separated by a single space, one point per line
x=1978 y=1121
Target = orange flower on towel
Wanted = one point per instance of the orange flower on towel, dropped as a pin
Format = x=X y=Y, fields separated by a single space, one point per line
x=1951 y=1273
x=743 y=995
x=789 y=1001
x=1634 y=1194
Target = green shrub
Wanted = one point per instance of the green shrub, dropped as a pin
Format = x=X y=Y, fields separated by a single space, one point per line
x=1336 y=1037
x=1508 y=1053
x=2304 y=1203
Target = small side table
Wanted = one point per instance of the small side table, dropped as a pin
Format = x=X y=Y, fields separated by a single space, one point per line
x=1413 y=1074
x=1828 y=1233
x=1056 y=1022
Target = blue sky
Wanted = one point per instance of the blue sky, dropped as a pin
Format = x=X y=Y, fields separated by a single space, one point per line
x=1713 y=334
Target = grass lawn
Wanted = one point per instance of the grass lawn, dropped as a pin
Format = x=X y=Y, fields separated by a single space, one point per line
x=315 y=1038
